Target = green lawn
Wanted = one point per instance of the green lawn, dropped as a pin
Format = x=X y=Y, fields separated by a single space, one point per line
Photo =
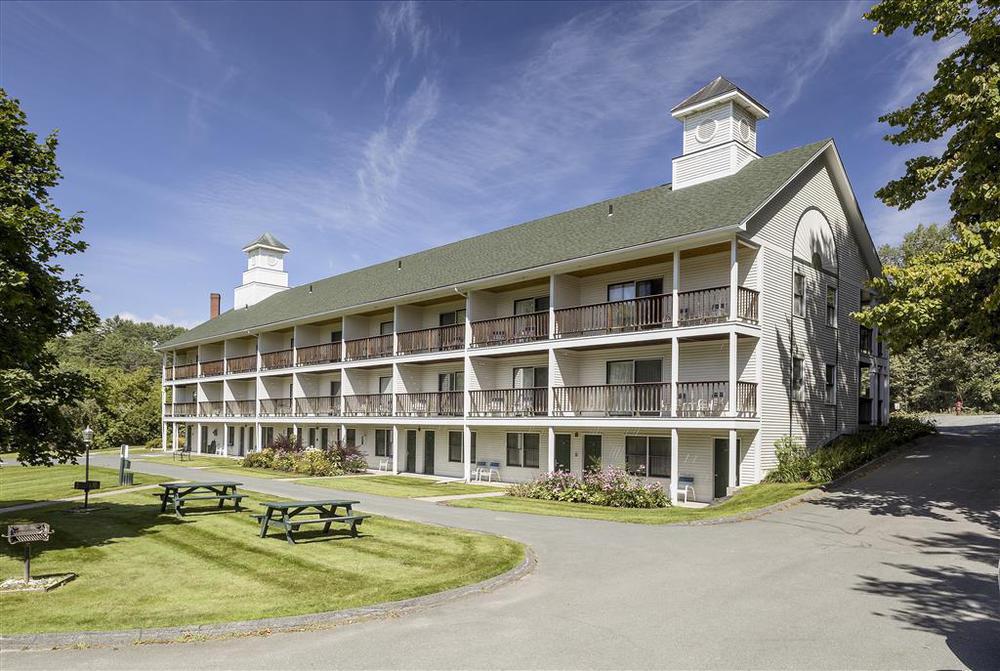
x=226 y=465
x=25 y=484
x=402 y=486
x=137 y=568
x=748 y=499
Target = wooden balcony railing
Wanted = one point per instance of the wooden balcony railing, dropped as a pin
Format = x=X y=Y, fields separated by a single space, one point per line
x=703 y=306
x=185 y=409
x=328 y=406
x=613 y=400
x=316 y=354
x=508 y=330
x=635 y=314
x=210 y=408
x=168 y=373
x=702 y=399
x=281 y=358
x=213 y=367
x=747 y=304
x=242 y=364
x=276 y=407
x=185 y=371
x=368 y=405
x=244 y=408
x=373 y=347
x=168 y=410
x=530 y=402
x=430 y=404
x=437 y=339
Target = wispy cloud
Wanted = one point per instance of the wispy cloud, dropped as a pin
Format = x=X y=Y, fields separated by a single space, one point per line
x=158 y=319
x=195 y=32
x=401 y=22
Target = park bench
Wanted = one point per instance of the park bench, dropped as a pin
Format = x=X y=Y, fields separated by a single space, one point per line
x=291 y=515
x=179 y=493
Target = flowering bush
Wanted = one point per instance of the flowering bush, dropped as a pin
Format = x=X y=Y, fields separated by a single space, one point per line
x=284 y=455
x=611 y=486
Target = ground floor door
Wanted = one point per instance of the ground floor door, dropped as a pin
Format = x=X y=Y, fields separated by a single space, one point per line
x=563 y=451
x=721 y=461
x=204 y=441
x=591 y=452
x=429 y=452
x=411 y=452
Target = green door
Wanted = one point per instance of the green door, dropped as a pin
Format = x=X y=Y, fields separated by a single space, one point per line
x=411 y=452
x=721 y=459
x=563 y=460
x=591 y=452
x=429 y=452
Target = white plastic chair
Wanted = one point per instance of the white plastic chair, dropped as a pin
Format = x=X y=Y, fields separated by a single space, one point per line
x=685 y=485
x=494 y=469
x=385 y=464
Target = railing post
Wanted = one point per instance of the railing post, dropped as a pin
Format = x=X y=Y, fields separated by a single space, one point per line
x=734 y=280
x=732 y=375
x=676 y=287
x=675 y=449
x=674 y=374
x=734 y=453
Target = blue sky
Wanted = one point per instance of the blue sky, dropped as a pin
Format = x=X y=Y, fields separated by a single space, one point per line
x=360 y=132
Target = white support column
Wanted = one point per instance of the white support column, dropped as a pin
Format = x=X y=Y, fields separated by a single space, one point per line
x=734 y=279
x=395 y=448
x=225 y=440
x=163 y=438
x=675 y=465
x=675 y=357
x=732 y=374
x=676 y=287
x=258 y=437
x=467 y=452
x=175 y=438
x=551 y=456
x=197 y=437
x=734 y=453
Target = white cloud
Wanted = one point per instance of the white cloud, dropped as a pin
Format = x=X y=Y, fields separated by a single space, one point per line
x=157 y=319
x=400 y=22
x=186 y=26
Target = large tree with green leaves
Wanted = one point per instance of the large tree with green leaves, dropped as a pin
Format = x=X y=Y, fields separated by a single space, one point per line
x=38 y=301
x=955 y=290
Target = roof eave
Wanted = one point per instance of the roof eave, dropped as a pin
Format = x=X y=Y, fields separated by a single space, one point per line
x=751 y=105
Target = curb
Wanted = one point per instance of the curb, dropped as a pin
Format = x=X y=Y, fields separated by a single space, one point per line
x=264 y=626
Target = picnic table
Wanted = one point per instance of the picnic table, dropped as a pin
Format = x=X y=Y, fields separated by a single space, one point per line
x=290 y=515
x=179 y=493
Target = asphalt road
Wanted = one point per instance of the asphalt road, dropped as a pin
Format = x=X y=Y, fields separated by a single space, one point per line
x=896 y=570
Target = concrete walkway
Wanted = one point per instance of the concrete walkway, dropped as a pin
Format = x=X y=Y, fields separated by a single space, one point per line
x=895 y=570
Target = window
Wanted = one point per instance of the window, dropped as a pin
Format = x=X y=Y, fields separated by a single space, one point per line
x=451 y=318
x=831 y=305
x=335 y=388
x=624 y=291
x=336 y=336
x=472 y=449
x=351 y=437
x=864 y=382
x=530 y=377
x=385 y=328
x=865 y=340
x=513 y=449
x=312 y=437
x=231 y=436
x=798 y=393
x=324 y=438
x=451 y=381
x=383 y=442
x=522 y=449
x=268 y=436
x=799 y=295
x=455 y=446
x=648 y=455
x=525 y=306
x=831 y=383
x=385 y=384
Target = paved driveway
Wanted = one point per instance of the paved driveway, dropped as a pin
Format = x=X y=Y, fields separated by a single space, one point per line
x=897 y=570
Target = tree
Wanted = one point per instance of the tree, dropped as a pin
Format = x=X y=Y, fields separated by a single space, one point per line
x=955 y=290
x=37 y=301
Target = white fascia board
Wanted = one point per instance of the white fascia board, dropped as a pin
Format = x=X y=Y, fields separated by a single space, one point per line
x=735 y=96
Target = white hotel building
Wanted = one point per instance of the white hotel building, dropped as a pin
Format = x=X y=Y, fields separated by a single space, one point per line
x=678 y=331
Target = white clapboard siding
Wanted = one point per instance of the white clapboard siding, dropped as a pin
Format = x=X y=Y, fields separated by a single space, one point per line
x=723 y=117
x=594 y=288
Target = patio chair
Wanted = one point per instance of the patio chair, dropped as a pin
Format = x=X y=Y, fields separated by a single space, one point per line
x=478 y=470
x=385 y=464
x=494 y=469
x=685 y=485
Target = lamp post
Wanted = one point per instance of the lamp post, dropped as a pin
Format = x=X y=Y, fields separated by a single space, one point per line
x=88 y=437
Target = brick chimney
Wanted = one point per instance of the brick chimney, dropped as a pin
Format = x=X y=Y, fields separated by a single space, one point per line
x=216 y=300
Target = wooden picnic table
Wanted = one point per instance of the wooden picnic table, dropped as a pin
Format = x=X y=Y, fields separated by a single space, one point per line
x=293 y=514
x=179 y=493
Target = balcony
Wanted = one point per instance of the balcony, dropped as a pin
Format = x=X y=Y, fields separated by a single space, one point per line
x=437 y=339
x=242 y=364
x=317 y=406
x=368 y=405
x=317 y=354
x=187 y=370
x=210 y=409
x=374 y=347
x=530 y=402
x=652 y=399
x=168 y=373
x=275 y=407
x=430 y=404
x=635 y=314
x=245 y=408
x=168 y=410
x=510 y=330
x=212 y=368
x=281 y=358
x=185 y=409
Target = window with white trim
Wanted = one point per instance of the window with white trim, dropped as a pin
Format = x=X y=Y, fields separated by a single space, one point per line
x=522 y=449
x=799 y=295
x=455 y=446
x=830 y=383
x=798 y=392
x=831 y=305
x=648 y=455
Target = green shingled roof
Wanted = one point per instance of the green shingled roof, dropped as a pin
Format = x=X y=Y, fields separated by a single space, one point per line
x=642 y=217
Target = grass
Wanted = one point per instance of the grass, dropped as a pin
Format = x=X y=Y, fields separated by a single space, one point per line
x=26 y=484
x=226 y=465
x=402 y=486
x=137 y=568
x=746 y=500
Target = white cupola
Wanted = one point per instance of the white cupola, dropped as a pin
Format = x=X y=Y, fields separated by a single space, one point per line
x=720 y=133
x=265 y=274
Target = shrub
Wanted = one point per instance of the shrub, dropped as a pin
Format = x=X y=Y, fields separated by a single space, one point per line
x=846 y=453
x=611 y=486
x=284 y=455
